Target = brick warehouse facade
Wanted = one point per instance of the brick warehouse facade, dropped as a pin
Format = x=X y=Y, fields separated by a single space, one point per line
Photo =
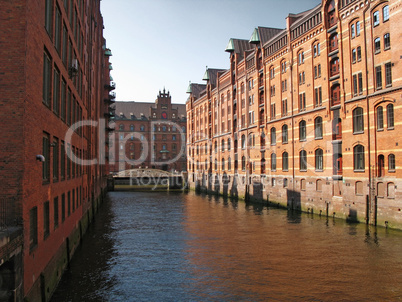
x=307 y=117
x=149 y=135
x=54 y=74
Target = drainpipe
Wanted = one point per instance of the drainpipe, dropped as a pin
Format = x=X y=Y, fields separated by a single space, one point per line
x=368 y=108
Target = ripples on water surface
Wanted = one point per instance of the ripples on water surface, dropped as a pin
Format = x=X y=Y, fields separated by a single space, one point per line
x=184 y=247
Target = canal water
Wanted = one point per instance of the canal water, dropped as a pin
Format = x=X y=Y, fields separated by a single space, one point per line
x=187 y=247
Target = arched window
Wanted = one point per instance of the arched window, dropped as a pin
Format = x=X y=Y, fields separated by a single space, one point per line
x=229 y=144
x=131 y=127
x=273 y=162
x=273 y=136
x=358 y=156
x=216 y=164
x=303 y=160
x=223 y=145
x=319 y=160
x=216 y=146
x=243 y=141
x=285 y=134
x=380 y=118
x=331 y=14
x=318 y=185
x=359 y=188
x=318 y=127
x=390 y=116
x=333 y=42
x=142 y=128
x=391 y=190
x=335 y=95
x=243 y=163
x=263 y=166
x=285 y=161
x=121 y=127
x=302 y=130
x=377 y=45
x=316 y=49
x=385 y=13
x=381 y=165
x=206 y=148
x=334 y=67
x=391 y=163
x=358 y=122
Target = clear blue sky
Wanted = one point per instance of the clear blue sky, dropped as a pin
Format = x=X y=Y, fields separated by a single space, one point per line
x=167 y=43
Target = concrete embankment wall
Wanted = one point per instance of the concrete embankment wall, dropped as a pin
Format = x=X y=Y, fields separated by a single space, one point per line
x=333 y=199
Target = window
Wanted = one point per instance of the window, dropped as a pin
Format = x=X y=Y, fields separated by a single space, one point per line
x=69 y=203
x=353 y=55
x=229 y=144
x=56 y=212
x=357 y=28
x=62 y=161
x=358 y=156
x=319 y=160
x=285 y=182
x=284 y=134
x=359 y=53
x=317 y=71
x=318 y=97
x=64 y=49
x=273 y=111
x=334 y=67
x=48 y=16
x=173 y=137
x=390 y=116
x=285 y=161
x=378 y=77
x=46 y=220
x=284 y=107
x=273 y=162
x=46 y=154
x=243 y=163
x=302 y=101
x=142 y=128
x=318 y=128
x=357 y=83
x=223 y=145
x=377 y=45
x=223 y=164
x=302 y=130
x=391 y=162
x=387 y=41
x=388 y=75
x=333 y=43
x=353 y=30
x=303 y=160
x=55 y=146
x=33 y=228
x=63 y=207
x=358 y=122
x=301 y=57
x=385 y=13
x=229 y=164
x=316 y=49
x=376 y=18
x=273 y=136
x=57 y=30
x=391 y=190
x=272 y=72
x=380 y=118
x=47 y=73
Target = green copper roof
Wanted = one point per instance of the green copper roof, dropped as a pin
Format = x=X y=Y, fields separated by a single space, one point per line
x=255 y=37
x=110 y=67
x=108 y=52
x=230 y=47
x=189 y=88
x=206 y=75
x=111 y=78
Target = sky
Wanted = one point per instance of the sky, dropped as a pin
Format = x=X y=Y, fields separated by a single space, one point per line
x=159 y=44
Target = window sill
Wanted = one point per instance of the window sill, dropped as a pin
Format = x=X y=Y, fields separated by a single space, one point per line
x=358 y=132
x=319 y=170
x=318 y=138
x=359 y=171
x=303 y=170
x=390 y=128
x=391 y=171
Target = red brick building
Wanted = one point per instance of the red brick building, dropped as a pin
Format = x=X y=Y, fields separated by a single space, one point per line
x=307 y=116
x=54 y=75
x=149 y=135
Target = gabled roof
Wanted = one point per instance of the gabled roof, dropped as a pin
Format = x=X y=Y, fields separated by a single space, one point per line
x=196 y=89
x=266 y=33
x=298 y=18
x=238 y=46
x=212 y=74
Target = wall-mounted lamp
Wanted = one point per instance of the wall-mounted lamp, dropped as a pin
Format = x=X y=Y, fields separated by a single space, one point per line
x=40 y=158
x=73 y=70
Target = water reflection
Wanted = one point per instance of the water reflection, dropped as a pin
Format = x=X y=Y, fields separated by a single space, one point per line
x=187 y=247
